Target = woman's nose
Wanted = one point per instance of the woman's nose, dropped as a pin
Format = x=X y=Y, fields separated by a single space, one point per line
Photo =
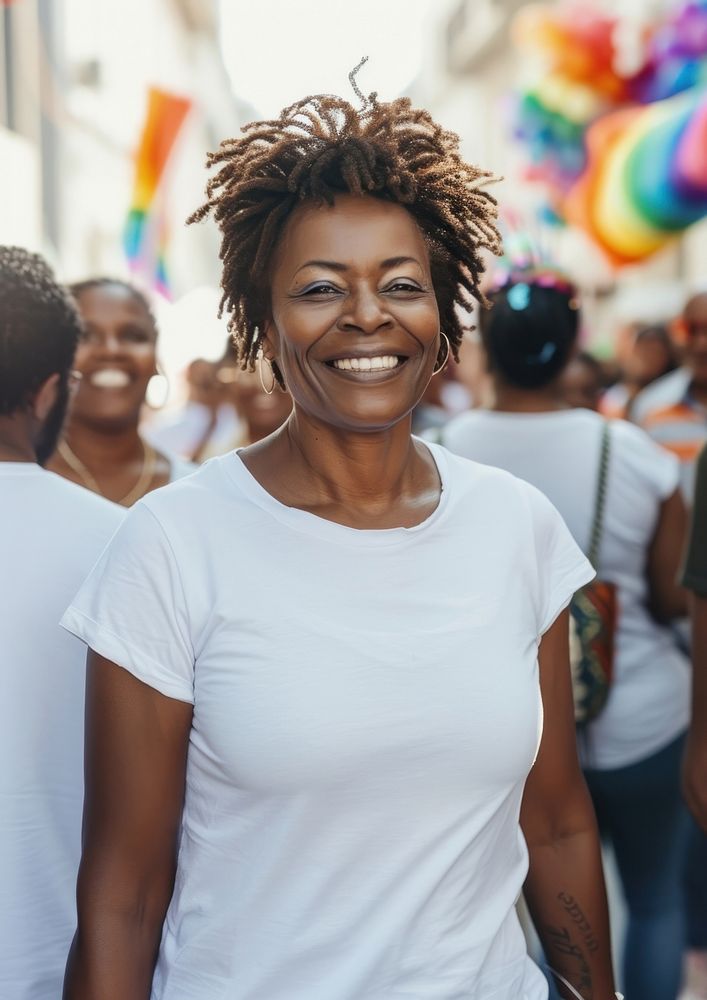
x=107 y=342
x=366 y=311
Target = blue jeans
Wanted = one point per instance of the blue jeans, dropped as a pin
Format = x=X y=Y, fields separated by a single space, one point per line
x=696 y=888
x=640 y=811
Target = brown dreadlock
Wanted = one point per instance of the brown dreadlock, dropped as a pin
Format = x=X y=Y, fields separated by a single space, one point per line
x=323 y=146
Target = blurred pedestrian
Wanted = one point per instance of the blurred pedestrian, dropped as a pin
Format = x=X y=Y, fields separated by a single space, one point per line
x=583 y=381
x=330 y=639
x=102 y=448
x=262 y=405
x=51 y=533
x=649 y=355
x=205 y=424
x=673 y=410
x=631 y=752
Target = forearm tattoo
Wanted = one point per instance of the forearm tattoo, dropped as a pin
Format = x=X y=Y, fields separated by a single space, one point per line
x=560 y=942
x=575 y=913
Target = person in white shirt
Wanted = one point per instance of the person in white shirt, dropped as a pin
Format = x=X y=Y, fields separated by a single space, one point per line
x=102 y=447
x=631 y=752
x=206 y=424
x=318 y=767
x=51 y=533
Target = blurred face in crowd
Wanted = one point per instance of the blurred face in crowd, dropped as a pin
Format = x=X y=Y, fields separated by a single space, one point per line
x=581 y=385
x=695 y=324
x=204 y=385
x=261 y=412
x=648 y=358
x=116 y=357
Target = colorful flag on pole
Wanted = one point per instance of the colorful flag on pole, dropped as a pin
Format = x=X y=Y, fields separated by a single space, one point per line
x=146 y=235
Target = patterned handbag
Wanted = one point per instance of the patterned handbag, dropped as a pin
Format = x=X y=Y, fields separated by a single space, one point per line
x=593 y=612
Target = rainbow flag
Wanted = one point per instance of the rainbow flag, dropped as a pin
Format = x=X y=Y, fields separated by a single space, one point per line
x=145 y=237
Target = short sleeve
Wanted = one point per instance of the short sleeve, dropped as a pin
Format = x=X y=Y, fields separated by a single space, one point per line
x=695 y=572
x=132 y=608
x=562 y=568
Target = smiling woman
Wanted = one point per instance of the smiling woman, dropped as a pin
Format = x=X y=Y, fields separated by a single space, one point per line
x=320 y=665
x=101 y=448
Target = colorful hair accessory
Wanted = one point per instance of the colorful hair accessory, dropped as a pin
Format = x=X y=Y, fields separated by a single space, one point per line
x=544 y=355
x=526 y=264
x=517 y=283
x=518 y=296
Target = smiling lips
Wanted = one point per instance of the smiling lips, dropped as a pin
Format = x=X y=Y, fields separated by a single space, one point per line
x=378 y=363
x=109 y=378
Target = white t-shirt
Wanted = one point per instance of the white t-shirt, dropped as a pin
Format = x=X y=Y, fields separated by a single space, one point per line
x=51 y=533
x=366 y=711
x=558 y=452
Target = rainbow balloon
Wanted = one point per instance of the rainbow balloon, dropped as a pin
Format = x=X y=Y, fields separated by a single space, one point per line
x=646 y=177
x=621 y=153
x=145 y=236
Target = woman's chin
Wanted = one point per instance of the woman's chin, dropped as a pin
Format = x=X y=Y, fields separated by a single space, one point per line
x=108 y=421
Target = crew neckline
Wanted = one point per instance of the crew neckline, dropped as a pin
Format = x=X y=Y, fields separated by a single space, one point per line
x=313 y=524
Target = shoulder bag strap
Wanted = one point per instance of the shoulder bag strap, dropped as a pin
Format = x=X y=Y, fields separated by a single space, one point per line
x=600 y=500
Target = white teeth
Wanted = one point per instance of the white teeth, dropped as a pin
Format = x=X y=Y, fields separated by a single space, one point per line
x=383 y=362
x=110 y=378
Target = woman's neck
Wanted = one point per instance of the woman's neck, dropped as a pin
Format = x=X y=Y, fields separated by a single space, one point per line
x=511 y=399
x=358 y=479
x=102 y=450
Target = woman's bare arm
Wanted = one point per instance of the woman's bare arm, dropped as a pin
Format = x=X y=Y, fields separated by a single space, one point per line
x=695 y=764
x=136 y=749
x=668 y=599
x=565 y=889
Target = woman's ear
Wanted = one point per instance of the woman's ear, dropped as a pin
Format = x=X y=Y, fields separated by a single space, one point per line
x=268 y=345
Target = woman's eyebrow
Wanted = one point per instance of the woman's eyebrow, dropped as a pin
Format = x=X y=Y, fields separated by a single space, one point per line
x=397 y=261
x=334 y=265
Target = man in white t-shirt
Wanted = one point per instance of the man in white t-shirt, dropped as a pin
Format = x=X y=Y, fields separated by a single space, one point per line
x=51 y=533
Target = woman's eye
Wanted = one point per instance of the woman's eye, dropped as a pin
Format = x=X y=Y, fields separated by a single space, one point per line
x=324 y=289
x=403 y=286
x=135 y=335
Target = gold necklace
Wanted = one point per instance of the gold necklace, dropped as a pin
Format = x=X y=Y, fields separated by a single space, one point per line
x=147 y=473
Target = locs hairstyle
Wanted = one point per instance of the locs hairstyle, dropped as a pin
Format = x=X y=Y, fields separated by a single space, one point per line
x=323 y=146
x=529 y=332
x=39 y=327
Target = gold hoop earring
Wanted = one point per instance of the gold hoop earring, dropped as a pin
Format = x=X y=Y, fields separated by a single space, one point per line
x=271 y=390
x=158 y=390
x=438 y=368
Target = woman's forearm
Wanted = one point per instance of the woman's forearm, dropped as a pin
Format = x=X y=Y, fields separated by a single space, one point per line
x=111 y=958
x=566 y=897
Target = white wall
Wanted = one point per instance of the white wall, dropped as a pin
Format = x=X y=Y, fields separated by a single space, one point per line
x=137 y=43
x=20 y=192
